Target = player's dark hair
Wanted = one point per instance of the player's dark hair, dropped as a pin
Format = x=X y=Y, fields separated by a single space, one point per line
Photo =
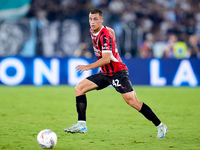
x=97 y=11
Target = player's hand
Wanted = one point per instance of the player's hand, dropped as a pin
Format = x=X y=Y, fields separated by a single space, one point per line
x=81 y=68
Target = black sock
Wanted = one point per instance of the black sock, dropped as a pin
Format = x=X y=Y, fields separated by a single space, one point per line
x=148 y=113
x=81 y=105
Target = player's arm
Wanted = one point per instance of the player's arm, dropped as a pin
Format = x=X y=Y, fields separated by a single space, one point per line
x=106 y=57
x=111 y=31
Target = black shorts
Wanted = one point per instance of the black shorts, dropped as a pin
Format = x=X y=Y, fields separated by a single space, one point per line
x=120 y=81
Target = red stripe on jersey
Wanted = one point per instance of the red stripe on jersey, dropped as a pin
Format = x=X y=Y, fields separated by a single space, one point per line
x=111 y=70
x=107 y=70
x=104 y=41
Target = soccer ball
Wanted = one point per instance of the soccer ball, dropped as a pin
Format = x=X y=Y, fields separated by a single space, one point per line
x=47 y=138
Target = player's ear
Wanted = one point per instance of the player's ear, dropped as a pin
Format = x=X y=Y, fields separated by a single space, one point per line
x=101 y=19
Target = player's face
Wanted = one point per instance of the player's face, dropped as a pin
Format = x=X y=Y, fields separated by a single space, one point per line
x=95 y=22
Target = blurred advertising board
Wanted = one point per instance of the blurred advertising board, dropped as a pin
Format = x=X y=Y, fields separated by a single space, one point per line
x=40 y=71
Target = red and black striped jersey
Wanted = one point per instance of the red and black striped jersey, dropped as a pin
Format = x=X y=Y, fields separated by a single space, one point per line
x=103 y=41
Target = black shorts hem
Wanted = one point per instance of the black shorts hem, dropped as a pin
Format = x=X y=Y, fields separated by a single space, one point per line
x=120 y=81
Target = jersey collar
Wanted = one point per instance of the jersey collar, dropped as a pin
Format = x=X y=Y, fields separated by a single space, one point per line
x=95 y=34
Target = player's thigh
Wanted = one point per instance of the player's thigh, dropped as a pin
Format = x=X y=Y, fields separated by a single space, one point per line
x=101 y=80
x=85 y=86
x=130 y=96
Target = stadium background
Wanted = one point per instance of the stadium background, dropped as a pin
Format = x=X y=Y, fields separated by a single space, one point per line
x=41 y=41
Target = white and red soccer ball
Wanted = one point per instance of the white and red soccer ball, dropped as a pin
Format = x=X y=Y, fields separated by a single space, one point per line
x=47 y=139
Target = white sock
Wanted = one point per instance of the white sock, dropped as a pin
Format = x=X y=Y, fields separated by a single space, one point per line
x=81 y=122
x=160 y=124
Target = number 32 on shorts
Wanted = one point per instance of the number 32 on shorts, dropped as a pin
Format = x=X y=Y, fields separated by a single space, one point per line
x=115 y=82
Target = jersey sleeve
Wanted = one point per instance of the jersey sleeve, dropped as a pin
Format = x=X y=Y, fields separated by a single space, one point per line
x=106 y=43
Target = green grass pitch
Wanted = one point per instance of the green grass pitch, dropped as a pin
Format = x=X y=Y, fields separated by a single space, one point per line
x=112 y=124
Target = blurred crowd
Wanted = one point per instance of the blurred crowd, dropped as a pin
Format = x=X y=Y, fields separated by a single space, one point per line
x=165 y=28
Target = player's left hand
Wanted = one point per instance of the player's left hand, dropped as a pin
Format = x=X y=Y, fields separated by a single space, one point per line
x=81 y=68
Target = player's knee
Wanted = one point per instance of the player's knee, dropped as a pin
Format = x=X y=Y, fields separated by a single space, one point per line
x=133 y=102
x=78 y=90
x=129 y=100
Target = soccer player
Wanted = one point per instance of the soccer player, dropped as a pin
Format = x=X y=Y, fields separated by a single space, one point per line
x=113 y=72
